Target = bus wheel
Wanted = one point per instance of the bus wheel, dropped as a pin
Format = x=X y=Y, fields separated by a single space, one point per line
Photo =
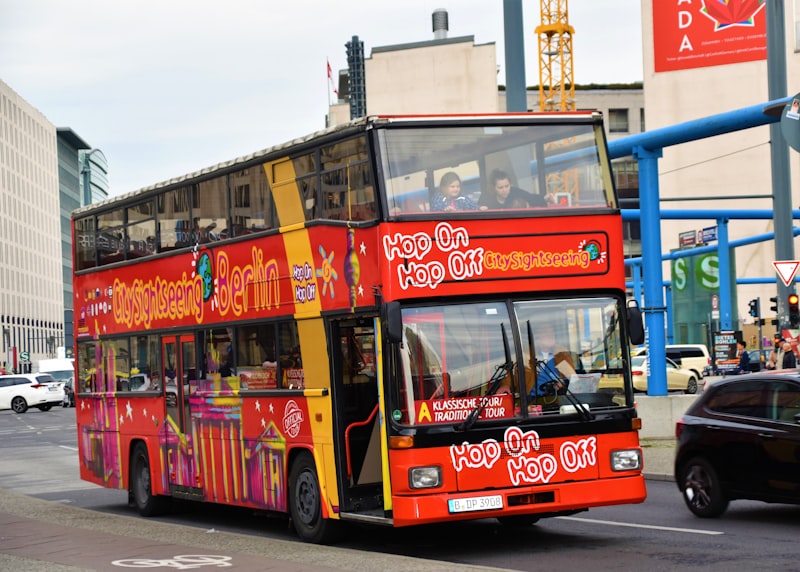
x=518 y=520
x=146 y=502
x=305 y=503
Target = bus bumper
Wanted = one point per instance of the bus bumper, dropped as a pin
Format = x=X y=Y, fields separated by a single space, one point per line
x=546 y=499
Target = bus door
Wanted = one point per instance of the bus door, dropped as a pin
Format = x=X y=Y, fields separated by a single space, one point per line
x=358 y=420
x=179 y=363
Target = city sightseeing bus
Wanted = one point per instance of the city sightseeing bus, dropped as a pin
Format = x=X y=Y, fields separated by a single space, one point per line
x=297 y=331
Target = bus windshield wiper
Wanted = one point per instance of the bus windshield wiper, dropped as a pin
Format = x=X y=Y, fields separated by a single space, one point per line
x=500 y=372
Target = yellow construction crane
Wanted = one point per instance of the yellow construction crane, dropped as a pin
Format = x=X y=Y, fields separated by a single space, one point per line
x=557 y=85
x=556 y=82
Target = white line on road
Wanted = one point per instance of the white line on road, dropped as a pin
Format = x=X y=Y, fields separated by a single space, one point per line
x=650 y=526
x=68 y=448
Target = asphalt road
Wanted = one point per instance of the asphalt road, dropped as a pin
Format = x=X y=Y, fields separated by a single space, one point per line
x=39 y=458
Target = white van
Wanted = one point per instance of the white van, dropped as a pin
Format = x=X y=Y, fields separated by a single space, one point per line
x=694 y=357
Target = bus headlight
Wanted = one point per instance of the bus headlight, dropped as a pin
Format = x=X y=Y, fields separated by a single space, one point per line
x=626 y=460
x=425 y=477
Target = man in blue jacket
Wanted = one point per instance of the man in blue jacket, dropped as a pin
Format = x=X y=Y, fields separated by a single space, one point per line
x=744 y=358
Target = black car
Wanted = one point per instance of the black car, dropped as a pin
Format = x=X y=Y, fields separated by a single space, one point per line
x=741 y=440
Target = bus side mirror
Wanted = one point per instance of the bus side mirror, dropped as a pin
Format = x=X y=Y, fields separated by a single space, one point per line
x=394 y=322
x=635 y=325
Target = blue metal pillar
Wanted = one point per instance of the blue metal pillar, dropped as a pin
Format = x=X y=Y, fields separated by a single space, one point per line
x=637 y=283
x=516 y=91
x=651 y=261
x=724 y=256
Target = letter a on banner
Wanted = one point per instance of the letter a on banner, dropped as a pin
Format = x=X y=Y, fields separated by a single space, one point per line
x=786 y=269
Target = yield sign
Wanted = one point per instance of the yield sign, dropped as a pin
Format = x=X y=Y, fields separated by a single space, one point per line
x=786 y=270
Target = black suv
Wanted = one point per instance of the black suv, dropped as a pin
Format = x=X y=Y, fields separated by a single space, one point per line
x=741 y=440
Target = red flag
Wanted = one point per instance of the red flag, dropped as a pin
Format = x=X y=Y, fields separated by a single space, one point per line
x=330 y=71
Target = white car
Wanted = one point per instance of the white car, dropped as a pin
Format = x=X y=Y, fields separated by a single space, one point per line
x=21 y=391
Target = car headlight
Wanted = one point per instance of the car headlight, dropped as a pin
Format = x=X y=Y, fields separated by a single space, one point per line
x=626 y=460
x=425 y=477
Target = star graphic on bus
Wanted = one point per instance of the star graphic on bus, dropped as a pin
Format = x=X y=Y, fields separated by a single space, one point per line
x=727 y=13
x=327 y=272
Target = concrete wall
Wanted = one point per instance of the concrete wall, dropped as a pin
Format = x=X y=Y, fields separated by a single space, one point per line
x=659 y=414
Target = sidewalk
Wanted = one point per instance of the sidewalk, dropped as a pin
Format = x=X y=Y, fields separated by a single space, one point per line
x=43 y=536
x=659 y=457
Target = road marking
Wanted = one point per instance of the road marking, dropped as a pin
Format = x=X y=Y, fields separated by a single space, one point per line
x=68 y=448
x=649 y=526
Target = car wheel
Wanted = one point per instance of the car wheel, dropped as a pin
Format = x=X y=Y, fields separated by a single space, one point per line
x=46 y=407
x=691 y=386
x=305 y=504
x=701 y=489
x=19 y=405
x=146 y=502
x=518 y=520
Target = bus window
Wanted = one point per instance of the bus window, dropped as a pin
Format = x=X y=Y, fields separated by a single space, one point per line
x=211 y=218
x=85 y=253
x=256 y=363
x=291 y=360
x=110 y=238
x=251 y=202
x=174 y=214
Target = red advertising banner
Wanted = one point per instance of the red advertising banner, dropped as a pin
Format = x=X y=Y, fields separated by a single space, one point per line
x=702 y=33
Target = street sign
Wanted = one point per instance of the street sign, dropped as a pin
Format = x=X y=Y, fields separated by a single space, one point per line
x=25 y=356
x=687 y=239
x=786 y=269
x=709 y=234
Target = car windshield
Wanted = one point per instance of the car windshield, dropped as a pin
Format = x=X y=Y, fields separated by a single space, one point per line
x=503 y=354
x=62 y=375
x=46 y=378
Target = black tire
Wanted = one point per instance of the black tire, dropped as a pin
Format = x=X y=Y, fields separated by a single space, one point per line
x=46 y=407
x=305 y=503
x=691 y=386
x=701 y=489
x=145 y=501
x=518 y=520
x=19 y=405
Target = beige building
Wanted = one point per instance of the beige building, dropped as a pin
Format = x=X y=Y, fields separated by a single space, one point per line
x=455 y=75
x=726 y=170
x=31 y=282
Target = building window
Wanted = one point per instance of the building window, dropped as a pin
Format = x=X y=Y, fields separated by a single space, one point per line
x=618 y=120
x=796 y=19
x=641 y=119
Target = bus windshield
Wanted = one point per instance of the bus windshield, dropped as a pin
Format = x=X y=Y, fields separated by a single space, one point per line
x=454 y=358
x=556 y=164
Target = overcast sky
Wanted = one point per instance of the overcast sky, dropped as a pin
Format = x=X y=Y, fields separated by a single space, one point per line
x=168 y=87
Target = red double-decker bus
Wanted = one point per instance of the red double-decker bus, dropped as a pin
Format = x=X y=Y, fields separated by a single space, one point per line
x=400 y=320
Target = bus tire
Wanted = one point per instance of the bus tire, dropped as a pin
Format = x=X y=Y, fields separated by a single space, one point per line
x=145 y=501
x=305 y=503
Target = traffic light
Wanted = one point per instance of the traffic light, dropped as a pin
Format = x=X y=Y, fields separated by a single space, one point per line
x=774 y=307
x=755 y=311
x=794 y=312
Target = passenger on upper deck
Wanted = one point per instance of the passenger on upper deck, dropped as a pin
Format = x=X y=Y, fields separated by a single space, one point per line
x=501 y=195
x=449 y=197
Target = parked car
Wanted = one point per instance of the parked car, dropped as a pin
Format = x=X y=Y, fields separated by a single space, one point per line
x=69 y=393
x=694 y=357
x=758 y=359
x=21 y=391
x=678 y=379
x=741 y=440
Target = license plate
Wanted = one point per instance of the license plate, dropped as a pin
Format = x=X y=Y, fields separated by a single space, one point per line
x=491 y=502
x=52 y=388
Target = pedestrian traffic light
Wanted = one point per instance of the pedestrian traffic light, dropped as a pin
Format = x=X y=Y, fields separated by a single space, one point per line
x=755 y=311
x=794 y=311
x=774 y=307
